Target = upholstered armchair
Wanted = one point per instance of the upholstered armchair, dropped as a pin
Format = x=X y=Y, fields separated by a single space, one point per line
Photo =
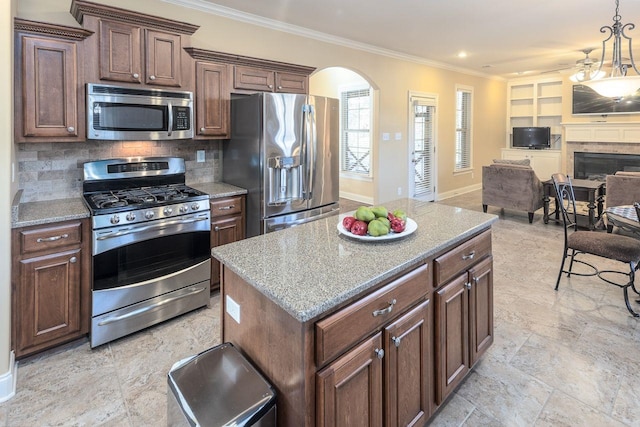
x=512 y=185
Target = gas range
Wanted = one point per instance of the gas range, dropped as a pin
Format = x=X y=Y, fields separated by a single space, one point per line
x=136 y=190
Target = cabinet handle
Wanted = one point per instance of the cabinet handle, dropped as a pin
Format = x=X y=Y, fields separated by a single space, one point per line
x=379 y=352
x=279 y=87
x=71 y=129
x=270 y=86
x=385 y=310
x=216 y=228
x=73 y=260
x=226 y=208
x=152 y=77
x=476 y=280
x=467 y=285
x=136 y=75
x=396 y=341
x=470 y=256
x=51 y=239
x=202 y=130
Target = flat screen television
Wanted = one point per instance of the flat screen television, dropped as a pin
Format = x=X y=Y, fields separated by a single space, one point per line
x=531 y=137
x=586 y=101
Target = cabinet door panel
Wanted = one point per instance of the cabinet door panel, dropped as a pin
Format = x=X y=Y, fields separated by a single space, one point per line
x=349 y=390
x=223 y=231
x=292 y=83
x=50 y=82
x=120 y=52
x=407 y=368
x=250 y=78
x=49 y=294
x=163 y=66
x=481 y=308
x=212 y=100
x=452 y=336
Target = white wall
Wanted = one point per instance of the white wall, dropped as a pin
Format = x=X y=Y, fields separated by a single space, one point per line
x=7 y=372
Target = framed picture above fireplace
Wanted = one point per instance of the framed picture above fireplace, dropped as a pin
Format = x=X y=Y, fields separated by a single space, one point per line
x=588 y=102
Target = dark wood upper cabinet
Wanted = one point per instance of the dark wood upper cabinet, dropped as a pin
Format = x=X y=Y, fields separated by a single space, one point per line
x=135 y=48
x=212 y=100
x=49 y=82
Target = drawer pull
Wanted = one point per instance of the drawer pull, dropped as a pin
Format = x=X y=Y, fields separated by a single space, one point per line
x=467 y=285
x=51 y=239
x=73 y=260
x=470 y=256
x=476 y=280
x=385 y=310
x=226 y=208
x=379 y=352
x=396 y=341
x=216 y=228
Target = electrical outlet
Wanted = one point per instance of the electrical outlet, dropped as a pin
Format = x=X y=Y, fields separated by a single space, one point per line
x=399 y=191
x=233 y=308
x=200 y=156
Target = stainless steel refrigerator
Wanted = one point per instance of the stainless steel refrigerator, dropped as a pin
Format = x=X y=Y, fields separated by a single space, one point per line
x=284 y=150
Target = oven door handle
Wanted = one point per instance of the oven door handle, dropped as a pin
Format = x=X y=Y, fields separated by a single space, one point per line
x=152 y=227
x=149 y=307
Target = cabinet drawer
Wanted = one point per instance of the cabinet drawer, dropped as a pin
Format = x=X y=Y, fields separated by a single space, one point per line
x=348 y=326
x=462 y=257
x=44 y=238
x=250 y=78
x=226 y=206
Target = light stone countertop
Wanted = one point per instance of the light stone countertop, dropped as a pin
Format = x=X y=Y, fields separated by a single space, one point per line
x=50 y=211
x=311 y=269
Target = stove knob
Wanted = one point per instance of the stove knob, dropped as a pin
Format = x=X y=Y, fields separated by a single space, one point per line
x=115 y=219
x=195 y=207
x=184 y=209
x=168 y=211
x=131 y=216
x=148 y=214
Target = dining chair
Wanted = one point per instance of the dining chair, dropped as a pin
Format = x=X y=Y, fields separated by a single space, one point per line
x=611 y=246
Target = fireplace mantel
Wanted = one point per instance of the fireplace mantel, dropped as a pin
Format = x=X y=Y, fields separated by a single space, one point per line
x=623 y=132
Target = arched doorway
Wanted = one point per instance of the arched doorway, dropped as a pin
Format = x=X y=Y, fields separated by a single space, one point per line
x=358 y=142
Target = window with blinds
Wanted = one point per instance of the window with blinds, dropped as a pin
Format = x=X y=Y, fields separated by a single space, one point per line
x=463 y=129
x=355 y=153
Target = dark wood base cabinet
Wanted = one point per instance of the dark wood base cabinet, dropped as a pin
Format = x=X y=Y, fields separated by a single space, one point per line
x=227 y=226
x=50 y=285
x=389 y=358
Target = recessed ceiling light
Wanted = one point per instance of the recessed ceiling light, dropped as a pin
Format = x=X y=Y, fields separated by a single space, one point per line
x=462 y=54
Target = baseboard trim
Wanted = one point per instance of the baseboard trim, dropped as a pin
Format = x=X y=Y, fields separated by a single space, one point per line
x=357 y=197
x=8 y=380
x=459 y=191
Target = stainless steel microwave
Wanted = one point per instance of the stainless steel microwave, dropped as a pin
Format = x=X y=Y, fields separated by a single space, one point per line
x=132 y=114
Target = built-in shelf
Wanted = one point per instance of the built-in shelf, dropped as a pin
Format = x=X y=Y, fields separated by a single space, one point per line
x=535 y=103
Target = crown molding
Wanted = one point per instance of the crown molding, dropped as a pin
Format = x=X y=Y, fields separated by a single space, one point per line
x=226 y=12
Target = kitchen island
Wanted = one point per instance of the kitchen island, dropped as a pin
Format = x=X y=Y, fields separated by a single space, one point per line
x=362 y=333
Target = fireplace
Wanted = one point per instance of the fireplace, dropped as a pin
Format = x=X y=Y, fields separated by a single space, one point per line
x=597 y=166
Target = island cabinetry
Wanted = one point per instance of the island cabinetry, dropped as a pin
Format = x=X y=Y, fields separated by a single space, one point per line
x=463 y=311
x=49 y=82
x=384 y=380
x=265 y=80
x=212 y=100
x=227 y=225
x=50 y=285
x=135 y=48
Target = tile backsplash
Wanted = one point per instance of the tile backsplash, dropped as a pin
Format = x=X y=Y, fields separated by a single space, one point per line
x=48 y=171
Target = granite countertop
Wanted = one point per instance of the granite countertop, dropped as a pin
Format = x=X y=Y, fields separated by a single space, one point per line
x=310 y=269
x=50 y=211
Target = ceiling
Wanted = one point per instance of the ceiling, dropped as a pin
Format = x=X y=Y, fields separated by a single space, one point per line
x=504 y=38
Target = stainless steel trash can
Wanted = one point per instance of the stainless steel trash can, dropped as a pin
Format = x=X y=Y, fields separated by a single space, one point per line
x=219 y=387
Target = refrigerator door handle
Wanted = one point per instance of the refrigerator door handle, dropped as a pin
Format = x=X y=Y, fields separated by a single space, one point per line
x=311 y=150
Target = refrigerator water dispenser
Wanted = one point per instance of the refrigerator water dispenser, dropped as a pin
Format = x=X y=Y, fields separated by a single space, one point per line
x=285 y=180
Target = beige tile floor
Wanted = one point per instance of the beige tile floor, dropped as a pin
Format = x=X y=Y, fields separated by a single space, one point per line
x=566 y=358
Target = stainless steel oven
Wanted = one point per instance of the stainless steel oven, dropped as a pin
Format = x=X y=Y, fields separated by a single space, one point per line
x=151 y=244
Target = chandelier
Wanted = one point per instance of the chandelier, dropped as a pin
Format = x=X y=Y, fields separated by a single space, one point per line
x=616 y=84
